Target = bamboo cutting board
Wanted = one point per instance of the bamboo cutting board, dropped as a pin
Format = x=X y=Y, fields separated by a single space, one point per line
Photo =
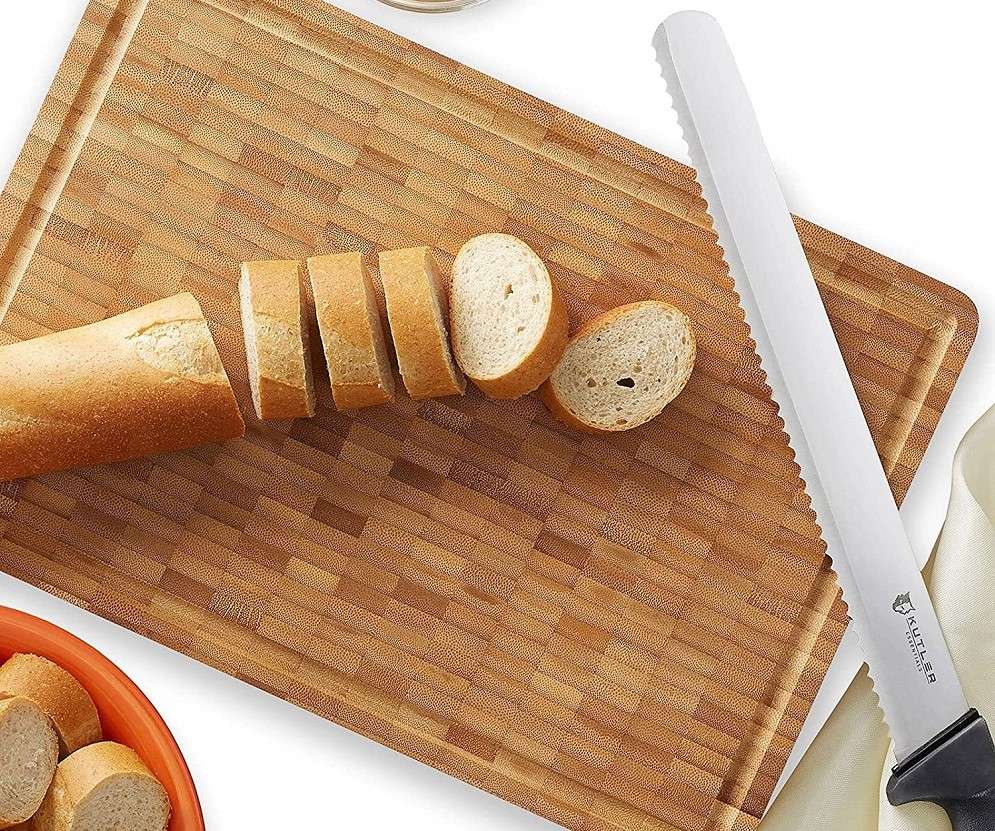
x=613 y=633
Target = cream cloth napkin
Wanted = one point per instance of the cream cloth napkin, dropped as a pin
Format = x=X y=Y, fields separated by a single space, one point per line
x=840 y=781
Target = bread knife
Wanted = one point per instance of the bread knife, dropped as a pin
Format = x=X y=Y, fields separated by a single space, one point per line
x=943 y=747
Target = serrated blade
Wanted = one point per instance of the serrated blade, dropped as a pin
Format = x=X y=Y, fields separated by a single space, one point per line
x=900 y=636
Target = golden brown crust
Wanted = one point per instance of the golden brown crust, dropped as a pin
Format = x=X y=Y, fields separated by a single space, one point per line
x=146 y=381
x=89 y=766
x=548 y=392
x=281 y=401
x=79 y=774
x=410 y=280
x=59 y=695
x=548 y=396
x=281 y=344
x=358 y=396
x=343 y=294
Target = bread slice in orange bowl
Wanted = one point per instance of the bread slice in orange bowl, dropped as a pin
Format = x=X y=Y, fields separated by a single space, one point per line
x=126 y=715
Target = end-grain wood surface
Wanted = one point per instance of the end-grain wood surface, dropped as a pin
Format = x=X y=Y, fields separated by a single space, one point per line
x=621 y=632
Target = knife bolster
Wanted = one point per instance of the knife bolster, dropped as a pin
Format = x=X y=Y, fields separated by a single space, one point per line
x=956 y=765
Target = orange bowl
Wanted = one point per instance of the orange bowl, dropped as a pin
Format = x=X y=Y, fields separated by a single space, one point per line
x=126 y=714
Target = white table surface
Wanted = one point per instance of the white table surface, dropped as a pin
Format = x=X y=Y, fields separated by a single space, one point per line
x=878 y=117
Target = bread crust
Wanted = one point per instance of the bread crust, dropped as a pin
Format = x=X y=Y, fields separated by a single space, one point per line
x=44 y=773
x=117 y=389
x=535 y=367
x=357 y=396
x=548 y=391
x=58 y=694
x=343 y=289
x=411 y=280
x=78 y=776
x=277 y=297
x=548 y=396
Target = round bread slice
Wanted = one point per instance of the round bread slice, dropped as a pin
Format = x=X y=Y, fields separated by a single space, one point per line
x=351 y=332
x=418 y=308
x=622 y=368
x=100 y=787
x=277 y=350
x=507 y=317
x=59 y=695
x=29 y=752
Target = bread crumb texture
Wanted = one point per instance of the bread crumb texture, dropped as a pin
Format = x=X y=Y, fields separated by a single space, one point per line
x=58 y=694
x=104 y=787
x=624 y=367
x=501 y=300
x=29 y=750
x=182 y=348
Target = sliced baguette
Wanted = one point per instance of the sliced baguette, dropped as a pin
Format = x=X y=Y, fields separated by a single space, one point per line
x=507 y=317
x=100 y=787
x=351 y=332
x=417 y=308
x=142 y=382
x=29 y=752
x=622 y=368
x=275 y=324
x=59 y=695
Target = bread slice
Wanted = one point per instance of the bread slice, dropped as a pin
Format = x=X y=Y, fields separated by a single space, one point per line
x=59 y=695
x=622 y=368
x=417 y=308
x=275 y=323
x=29 y=752
x=101 y=787
x=145 y=381
x=351 y=331
x=507 y=317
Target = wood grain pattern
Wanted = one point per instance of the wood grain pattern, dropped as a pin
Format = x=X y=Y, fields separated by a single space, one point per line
x=620 y=632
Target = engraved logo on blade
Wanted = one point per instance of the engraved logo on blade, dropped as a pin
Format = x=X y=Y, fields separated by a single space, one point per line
x=903 y=606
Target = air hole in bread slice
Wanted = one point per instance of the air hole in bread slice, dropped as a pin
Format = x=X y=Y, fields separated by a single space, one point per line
x=508 y=323
x=623 y=368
